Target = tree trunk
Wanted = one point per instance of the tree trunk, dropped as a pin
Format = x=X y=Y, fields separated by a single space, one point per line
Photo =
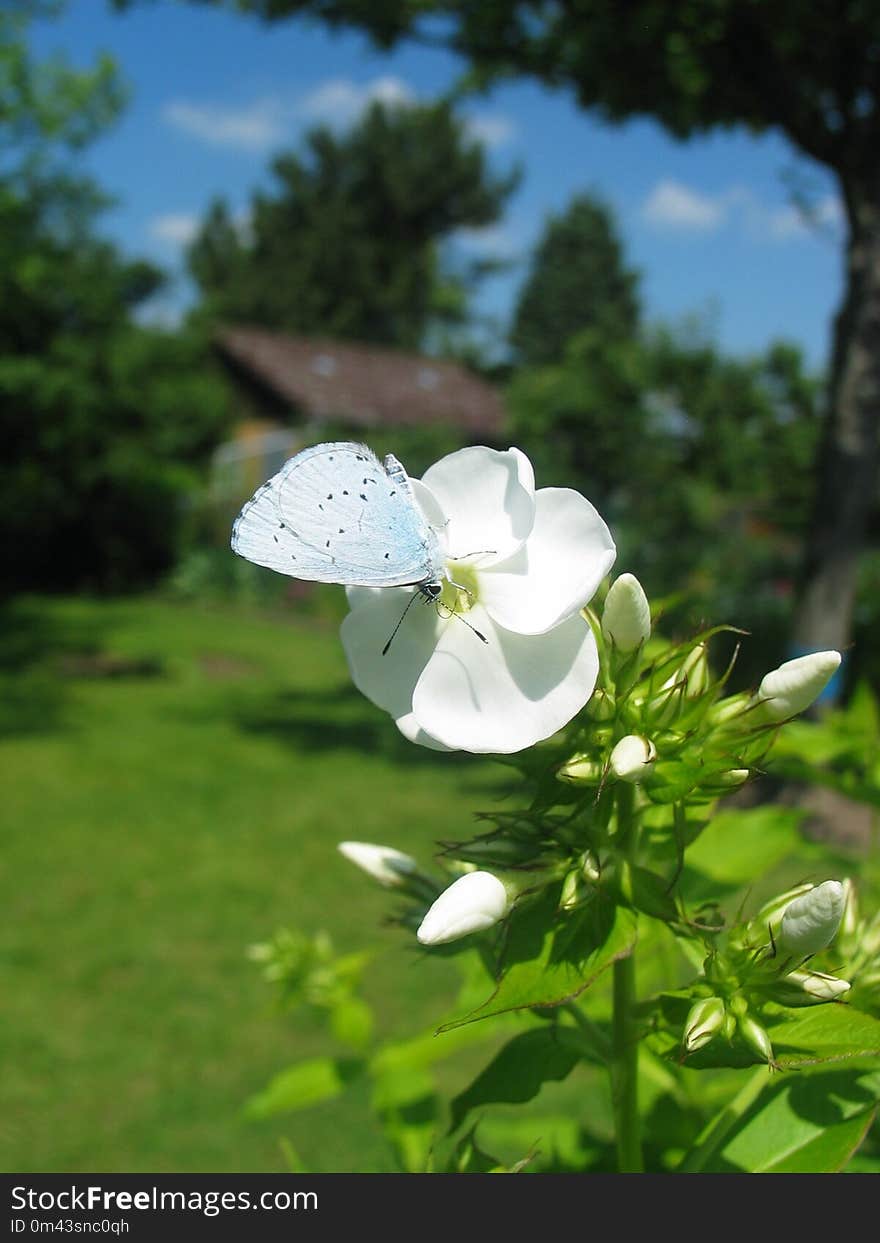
x=847 y=466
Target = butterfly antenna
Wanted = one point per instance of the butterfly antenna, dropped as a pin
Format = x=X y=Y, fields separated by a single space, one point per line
x=409 y=605
x=452 y=613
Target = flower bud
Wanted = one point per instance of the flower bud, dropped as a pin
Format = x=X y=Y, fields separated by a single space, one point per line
x=755 y=1037
x=703 y=1023
x=601 y=706
x=771 y=912
x=694 y=672
x=850 y=921
x=580 y=770
x=633 y=758
x=795 y=685
x=818 y=985
x=590 y=867
x=471 y=904
x=626 y=618
x=389 y=867
x=810 y=922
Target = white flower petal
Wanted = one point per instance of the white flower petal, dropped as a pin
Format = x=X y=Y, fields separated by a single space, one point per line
x=558 y=569
x=388 y=680
x=410 y=728
x=508 y=693
x=488 y=500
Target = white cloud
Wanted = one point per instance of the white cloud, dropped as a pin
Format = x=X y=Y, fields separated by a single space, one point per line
x=491 y=242
x=176 y=228
x=253 y=127
x=339 y=101
x=672 y=205
x=494 y=130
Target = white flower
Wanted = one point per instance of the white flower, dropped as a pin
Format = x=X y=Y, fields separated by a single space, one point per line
x=810 y=922
x=633 y=758
x=792 y=687
x=383 y=863
x=626 y=617
x=521 y=565
x=471 y=904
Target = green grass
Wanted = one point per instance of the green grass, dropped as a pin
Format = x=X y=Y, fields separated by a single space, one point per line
x=175 y=779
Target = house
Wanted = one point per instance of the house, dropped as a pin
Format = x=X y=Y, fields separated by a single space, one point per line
x=293 y=389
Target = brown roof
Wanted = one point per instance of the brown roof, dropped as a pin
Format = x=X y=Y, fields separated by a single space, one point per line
x=366 y=385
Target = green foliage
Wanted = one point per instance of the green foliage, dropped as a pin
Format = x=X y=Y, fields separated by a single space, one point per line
x=577 y=282
x=355 y=229
x=725 y=443
x=105 y=425
x=692 y=65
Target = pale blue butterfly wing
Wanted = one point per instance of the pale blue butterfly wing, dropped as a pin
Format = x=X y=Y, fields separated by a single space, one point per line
x=336 y=514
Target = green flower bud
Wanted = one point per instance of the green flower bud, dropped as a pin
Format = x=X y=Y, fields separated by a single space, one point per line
x=703 y=1023
x=633 y=758
x=626 y=618
x=795 y=685
x=727 y=710
x=810 y=922
x=755 y=1037
x=771 y=912
x=590 y=867
x=580 y=770
x=601 y=706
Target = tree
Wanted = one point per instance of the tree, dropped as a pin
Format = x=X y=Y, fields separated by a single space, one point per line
x=809 y=71
x=700 y=462
x=349 y=245
x=577 y=280
x=104 y=423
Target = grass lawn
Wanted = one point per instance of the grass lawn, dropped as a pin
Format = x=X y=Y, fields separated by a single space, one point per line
x=175 y=780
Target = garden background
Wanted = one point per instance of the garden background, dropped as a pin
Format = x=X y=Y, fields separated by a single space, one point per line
x=636 y=274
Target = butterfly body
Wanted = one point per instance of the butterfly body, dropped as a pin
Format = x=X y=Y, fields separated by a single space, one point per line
x=336 y=514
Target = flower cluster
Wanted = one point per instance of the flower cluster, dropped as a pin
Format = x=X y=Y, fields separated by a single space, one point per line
x=504 y=658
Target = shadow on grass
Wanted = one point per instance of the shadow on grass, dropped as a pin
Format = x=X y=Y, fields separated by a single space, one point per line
x=340 y=719
x=40 y=652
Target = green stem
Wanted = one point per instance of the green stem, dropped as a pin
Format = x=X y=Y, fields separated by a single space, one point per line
x=624 y=1063
x=713 y=1136
x=625 y=1069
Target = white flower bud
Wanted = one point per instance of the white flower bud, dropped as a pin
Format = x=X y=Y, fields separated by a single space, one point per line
x=818 y=985
x=792 y=687
x=633 y=758
x=626 y=618
x=389 y=867
x=470 y=904
x=810 y=922
x=704 y=1021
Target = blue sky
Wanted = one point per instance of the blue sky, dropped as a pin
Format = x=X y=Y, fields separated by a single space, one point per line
x=710 y=223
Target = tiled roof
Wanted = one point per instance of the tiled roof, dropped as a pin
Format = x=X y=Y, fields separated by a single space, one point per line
x=365 y=385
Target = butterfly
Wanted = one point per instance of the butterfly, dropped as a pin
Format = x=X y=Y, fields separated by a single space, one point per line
x=336 y=514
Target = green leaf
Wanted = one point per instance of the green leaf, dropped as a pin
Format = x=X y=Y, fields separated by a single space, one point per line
x=551 y=956
x=518 y=1071
x=736 y=847
x=306 y=1083
x=827 y=1033
x=351 y=1021
x=811 y=1124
